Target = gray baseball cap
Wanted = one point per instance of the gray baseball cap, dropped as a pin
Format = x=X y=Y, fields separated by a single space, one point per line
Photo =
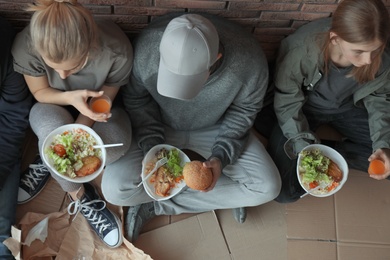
x=188 y=48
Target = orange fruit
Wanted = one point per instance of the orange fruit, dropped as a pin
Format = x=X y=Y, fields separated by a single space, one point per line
x=376 y=167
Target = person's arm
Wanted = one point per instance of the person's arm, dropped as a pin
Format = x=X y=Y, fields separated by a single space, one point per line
x=15 y=104
x=144 y=114
x=111 y=92
x=289 y=97
x=377 y=106
x=39 y=87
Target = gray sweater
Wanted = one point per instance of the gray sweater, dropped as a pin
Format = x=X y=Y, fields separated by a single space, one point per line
x=231 y=97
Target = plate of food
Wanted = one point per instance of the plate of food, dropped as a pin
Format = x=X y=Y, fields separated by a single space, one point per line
x=321 y=170
x=68 y=152
x=167 y=181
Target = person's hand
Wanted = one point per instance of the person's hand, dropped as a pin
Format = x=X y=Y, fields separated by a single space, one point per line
x=215 y=165
x=79 y=100
x=382 y=154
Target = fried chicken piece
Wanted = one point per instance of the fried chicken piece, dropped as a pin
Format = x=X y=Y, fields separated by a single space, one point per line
x=90 y=165
x=334 y=171
x=162 y=182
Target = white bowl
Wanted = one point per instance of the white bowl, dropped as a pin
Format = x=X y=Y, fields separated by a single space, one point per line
x=151 y=157
x=335 y=157
x=49 y=162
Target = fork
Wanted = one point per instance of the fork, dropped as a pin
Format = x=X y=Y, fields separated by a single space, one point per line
x=158 y=164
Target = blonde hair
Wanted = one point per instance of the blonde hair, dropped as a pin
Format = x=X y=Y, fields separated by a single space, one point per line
x=62 y=30
x=360 y=21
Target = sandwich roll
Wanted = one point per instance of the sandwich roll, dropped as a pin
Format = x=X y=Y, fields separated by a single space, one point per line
x=196 y=176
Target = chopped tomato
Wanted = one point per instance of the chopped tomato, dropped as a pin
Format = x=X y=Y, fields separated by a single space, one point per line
x=333 y=186
x=179 y=179
x=59 y=149
x=313 y=184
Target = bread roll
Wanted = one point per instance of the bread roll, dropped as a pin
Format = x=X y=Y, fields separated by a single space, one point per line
x=196 y=176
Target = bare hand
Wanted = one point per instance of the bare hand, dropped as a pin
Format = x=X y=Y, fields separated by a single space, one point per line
x=382 y=154
x=79 y=99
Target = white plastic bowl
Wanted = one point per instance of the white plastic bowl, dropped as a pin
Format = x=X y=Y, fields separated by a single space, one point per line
x=335 y=157
x=151 y=157
x=49 y=162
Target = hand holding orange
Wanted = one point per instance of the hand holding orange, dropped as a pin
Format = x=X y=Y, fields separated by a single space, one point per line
x=376 y=167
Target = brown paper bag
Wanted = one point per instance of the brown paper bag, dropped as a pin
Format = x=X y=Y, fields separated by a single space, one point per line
x=71 y=240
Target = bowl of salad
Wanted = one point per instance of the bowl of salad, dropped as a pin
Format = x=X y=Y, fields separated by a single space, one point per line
x=68 y=152
x=167 y=181
x=321 y=170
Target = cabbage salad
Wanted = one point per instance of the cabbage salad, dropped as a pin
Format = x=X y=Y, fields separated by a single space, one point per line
x=69 y=148
x=313 y=171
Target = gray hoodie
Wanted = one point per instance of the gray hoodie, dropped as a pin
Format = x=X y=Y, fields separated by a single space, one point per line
x=231 y=97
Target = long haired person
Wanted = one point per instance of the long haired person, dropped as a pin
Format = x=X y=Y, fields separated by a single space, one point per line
x=66 y=58
x=333 y=71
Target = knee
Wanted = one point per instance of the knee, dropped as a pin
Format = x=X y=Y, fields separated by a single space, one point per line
x=111 y=190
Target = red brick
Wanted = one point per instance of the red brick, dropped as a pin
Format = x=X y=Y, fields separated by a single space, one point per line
x=292 y=16
x=152 y=11
x=234 y=13
x=191 y=4
x=118 y=2
x=319 y=8
x=262 y=6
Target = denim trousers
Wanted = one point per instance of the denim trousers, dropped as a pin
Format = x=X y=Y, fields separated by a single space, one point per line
x=252 y=180
x=8 y=202
x=355 y=146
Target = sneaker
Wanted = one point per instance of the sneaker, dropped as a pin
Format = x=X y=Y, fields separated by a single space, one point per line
x=32 y=181
x=136 y=218
x=239 y=214
x=106 y=224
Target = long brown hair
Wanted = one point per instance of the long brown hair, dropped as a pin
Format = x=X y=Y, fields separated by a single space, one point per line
x=62 y=30
x=360 y=21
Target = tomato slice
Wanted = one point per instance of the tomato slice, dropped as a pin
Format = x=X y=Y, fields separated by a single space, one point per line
x=313 y=184
x=59 y=149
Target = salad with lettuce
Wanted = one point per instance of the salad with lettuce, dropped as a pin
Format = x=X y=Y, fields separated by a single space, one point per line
x=68 y=149
x=174 y=161
x=314 y=171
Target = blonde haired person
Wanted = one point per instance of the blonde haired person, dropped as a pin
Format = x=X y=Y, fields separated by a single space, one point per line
x=333 y=71
x=66 y=58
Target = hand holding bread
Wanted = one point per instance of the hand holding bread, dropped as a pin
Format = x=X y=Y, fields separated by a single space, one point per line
x=196 y=176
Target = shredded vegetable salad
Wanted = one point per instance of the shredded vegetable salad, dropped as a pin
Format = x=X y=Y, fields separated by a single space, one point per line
x=316 y=170
x=68 y=150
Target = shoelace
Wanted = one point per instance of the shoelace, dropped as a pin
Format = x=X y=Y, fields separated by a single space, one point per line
x=34 y=175
x=90 y=213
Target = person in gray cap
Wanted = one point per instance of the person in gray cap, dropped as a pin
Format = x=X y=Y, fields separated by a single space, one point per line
x=197 y=83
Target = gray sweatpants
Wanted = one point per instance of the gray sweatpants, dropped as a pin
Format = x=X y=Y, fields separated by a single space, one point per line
x=251 y=181
x=44 y=118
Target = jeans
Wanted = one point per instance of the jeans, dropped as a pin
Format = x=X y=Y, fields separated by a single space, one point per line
x=252 y=180
x=355 y=147
x=8 y=202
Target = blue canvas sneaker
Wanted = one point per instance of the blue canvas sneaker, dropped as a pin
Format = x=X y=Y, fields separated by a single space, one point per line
x=32 y=181
x=106 y=224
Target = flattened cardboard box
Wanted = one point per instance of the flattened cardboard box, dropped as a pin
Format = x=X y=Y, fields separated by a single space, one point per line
x=352 y=224
x=218 y=236
x=363 y=210
x=194 y=238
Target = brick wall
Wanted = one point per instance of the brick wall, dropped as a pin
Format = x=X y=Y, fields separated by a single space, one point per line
x=268 y=20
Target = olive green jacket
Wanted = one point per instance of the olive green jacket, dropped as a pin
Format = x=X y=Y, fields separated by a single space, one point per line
x=298 y=68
